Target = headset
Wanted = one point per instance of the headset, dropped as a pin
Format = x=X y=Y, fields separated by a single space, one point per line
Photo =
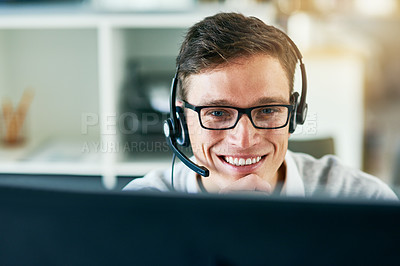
x=175 y=127
x=176 y=131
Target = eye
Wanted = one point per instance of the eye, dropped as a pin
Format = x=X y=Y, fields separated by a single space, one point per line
x=218 y=113
x=269 y=110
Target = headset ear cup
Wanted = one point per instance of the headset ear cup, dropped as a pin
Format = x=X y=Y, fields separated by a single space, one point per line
x=293 y=116
x=182 y=132
x=292 y=123
x=301 y=115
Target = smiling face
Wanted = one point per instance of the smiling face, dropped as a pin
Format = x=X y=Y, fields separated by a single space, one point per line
x=234 y=153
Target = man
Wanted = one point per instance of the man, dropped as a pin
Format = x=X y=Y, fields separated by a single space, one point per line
x=235 y=86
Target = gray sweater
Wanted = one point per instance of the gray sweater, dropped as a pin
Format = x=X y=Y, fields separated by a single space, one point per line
x=305 y=176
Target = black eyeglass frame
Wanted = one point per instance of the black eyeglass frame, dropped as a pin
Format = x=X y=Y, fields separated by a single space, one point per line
x=241 y=111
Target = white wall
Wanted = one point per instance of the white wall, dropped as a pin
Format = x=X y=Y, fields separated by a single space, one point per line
x=3 y=61
x=61 y=67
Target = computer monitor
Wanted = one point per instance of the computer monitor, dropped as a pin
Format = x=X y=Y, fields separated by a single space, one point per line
x=46 y=227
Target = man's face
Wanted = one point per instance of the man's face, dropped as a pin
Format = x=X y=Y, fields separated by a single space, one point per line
x=244 y=83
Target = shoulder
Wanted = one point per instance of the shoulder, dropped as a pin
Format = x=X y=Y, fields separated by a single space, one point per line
x=160 y=180
x=329 y=176
x=155 y=180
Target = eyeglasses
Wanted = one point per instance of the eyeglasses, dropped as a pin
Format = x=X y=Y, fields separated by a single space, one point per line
x=271 y=116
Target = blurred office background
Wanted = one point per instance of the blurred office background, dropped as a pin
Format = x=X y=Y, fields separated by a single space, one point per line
x=85 y=84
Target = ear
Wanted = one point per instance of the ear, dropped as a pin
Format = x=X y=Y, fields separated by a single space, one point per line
x=179 y=103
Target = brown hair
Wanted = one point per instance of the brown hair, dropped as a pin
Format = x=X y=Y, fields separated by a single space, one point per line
x=225 y=36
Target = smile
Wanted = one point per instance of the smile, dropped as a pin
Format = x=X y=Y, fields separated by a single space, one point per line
x=242 y=161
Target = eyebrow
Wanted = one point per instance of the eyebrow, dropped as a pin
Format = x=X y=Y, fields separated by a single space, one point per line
x=260 y=101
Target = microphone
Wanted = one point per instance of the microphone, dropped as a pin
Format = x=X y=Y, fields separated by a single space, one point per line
x=168 y=128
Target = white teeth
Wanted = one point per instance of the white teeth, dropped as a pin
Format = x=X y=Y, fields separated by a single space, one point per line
x=241 y=161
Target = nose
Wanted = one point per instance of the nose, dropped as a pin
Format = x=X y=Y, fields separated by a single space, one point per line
x=244 y=134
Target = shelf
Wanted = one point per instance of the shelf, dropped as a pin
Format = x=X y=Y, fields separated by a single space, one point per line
x=76 y=64
x=132 y=169
x=91 y=18
x=73 y=157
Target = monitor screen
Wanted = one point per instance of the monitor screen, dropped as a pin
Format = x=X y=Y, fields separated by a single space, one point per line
x=53 y=227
